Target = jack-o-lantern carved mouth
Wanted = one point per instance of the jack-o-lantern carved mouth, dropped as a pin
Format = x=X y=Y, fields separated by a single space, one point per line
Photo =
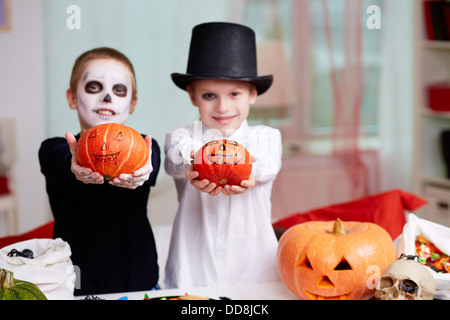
x=314 y=296
x=325 y=283
x=216 y=158
x=106 y=157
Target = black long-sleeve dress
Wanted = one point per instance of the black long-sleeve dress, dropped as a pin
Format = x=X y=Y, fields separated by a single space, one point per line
x=107 y=228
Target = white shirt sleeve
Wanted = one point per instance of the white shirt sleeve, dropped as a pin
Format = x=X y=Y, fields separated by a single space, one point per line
x=265 y=143
x=178 y=147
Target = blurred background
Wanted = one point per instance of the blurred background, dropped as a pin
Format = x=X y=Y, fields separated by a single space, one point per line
x=343 y=96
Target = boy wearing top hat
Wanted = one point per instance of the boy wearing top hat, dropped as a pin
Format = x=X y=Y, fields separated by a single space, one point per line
x=222 y=235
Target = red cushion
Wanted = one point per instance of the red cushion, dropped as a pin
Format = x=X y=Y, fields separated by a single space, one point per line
x=44 y=231
x=385 y=209
x=4 y=188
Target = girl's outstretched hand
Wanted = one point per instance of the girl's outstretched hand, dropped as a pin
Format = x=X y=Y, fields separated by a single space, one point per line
x=83 y=174
x=137 y=178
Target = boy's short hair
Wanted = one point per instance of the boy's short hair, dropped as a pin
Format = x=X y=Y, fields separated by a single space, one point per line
x=251 y=86
x=100 y=53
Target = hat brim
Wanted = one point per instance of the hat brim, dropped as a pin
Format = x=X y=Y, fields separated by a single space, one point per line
x=262 y=83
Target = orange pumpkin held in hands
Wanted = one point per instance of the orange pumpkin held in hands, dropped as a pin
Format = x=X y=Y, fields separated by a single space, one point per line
x=112 y=149
x=223 y=162
x=327 y=260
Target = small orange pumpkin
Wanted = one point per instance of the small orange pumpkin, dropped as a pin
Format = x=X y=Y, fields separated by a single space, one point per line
x=223 y=162
x=325 y=260
x=112 y=149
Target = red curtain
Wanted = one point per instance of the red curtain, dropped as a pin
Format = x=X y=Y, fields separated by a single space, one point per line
x=386 y=209
x=347 y=88
x=308 y=181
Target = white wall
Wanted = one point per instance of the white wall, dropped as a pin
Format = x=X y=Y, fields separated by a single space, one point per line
x=22 y=92
x=36 y=57
x=33 y=82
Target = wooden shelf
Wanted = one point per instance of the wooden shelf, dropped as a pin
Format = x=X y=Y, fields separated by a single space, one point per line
x=432 y=64
x=435 y=44
x=435 y=114
x=436 y=181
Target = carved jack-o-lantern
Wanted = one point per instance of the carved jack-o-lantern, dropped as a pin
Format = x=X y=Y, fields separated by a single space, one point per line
x=326 y=260
x=223 y=162
x=112 y=149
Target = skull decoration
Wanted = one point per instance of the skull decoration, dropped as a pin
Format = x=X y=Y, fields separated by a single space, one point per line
x=406 y=280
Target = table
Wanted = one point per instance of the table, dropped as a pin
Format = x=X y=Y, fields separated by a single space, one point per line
x=254 y=291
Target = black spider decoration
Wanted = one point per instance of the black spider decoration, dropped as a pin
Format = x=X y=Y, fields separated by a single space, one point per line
x=26 y=253
x=408 y=257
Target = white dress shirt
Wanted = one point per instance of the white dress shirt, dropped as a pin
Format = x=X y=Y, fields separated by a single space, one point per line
x=221 y=240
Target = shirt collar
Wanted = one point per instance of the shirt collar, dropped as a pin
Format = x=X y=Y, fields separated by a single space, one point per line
x=212 y=134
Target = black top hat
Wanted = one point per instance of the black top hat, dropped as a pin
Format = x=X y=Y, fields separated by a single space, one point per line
x=221 y=50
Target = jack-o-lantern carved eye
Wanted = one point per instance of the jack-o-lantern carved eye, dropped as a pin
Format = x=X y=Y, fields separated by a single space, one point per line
x=304 y=263
x=93 y=134
x=220 y=155
x=342 y=265
x=119 y=136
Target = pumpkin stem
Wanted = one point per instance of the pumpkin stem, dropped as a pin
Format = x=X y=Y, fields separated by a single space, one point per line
x=338 y=228
x=6 y=279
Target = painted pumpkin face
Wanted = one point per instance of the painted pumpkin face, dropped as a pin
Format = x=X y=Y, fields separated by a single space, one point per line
x=223 y=162
x=317 y=261
x=112 y=149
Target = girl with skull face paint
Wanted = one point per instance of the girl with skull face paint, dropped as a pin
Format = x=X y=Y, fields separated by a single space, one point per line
x=103 y=94
x=106 y=224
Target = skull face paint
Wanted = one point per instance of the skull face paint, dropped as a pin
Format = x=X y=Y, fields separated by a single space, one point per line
x=104 y=93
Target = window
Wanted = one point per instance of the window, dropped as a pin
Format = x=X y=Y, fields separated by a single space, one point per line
x=310 y=116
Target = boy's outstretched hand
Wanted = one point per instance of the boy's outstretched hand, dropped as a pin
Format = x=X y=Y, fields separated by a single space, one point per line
x=244 y=186
x=202 y=185
x=211 y=188
x=129 y=181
